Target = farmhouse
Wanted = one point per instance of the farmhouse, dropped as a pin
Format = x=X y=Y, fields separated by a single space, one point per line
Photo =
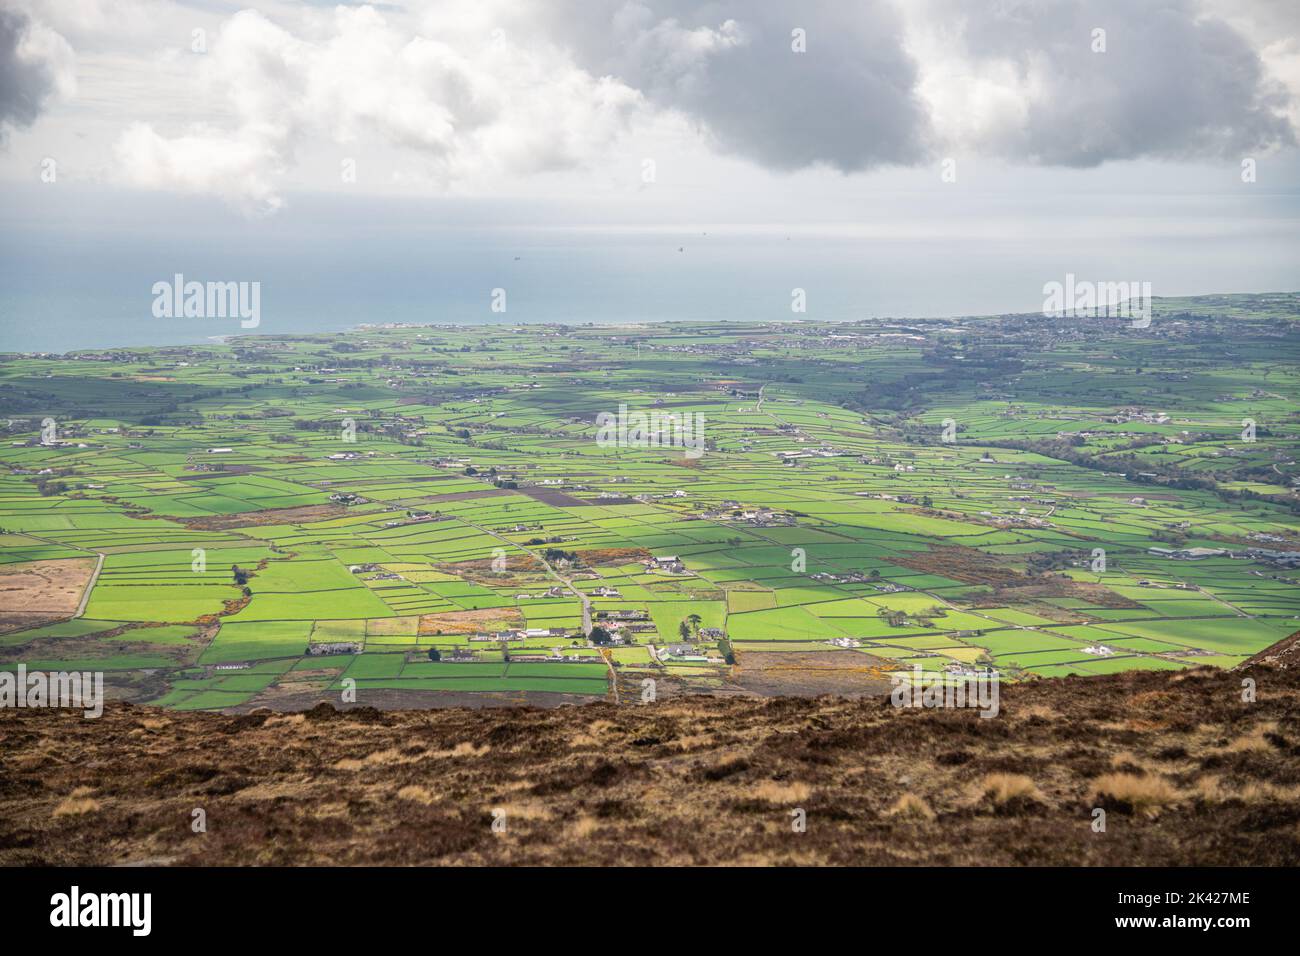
x=622 y=614
x=670 y=563
x=683 y=652
x=1186 y=554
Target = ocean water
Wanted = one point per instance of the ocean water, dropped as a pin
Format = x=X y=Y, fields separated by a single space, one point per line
x=81 y=277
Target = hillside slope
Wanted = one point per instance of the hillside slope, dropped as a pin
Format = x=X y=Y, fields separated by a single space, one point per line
x=1191 y=774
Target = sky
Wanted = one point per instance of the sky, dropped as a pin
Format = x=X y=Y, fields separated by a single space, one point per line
x=605 y=160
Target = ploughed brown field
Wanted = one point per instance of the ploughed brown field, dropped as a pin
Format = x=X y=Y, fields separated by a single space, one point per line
x=37 y=592
x=1185 y=770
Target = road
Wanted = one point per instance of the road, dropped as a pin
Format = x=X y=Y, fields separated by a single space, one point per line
x=759 y=407
x=550 y=571
x=613 y=677
x=90 y=585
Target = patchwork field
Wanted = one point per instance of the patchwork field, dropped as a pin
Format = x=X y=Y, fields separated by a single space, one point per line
x=429 y=511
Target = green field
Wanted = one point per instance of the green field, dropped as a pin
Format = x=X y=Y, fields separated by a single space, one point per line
x=241 y=523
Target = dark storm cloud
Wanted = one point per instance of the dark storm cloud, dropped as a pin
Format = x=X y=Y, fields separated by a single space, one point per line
x=1174 y=82
x=25 y=83
x=849 y=102
x=1168 y=85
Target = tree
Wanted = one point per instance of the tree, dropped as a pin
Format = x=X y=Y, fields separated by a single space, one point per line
x=683 y=629
x=434 y=654
x=600 y=636
x=696 y=621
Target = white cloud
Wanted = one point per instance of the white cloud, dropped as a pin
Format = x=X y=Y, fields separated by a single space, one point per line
x=240 y=168
x=491 y=97
x=481 y=104
x=1027 y=81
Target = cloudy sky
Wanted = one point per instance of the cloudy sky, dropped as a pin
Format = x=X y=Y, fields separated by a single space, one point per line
x=879 y=119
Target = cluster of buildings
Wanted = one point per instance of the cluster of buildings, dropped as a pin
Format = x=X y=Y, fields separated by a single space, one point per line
x=1282 y=559
x=850 y=577
x=553 y=592
x=518 y=634
x=688 y=653
x=336 y=647
x=825 y=451
x=758 y=517
x=669 y=563
x=625 y=622
x=1126 y=415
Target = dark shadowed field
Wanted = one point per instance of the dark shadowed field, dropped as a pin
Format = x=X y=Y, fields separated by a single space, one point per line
x=1186 y=772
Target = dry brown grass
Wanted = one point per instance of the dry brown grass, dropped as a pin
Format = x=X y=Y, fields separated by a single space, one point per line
x=45 y=586
x=1214 y=790
x=1037 y=710
x=1253 y=742
x=379 y=758
x=1143 y=796
x=76 y=803
x=638 y=797
x=592 y=737
x=1009 y=789
x=416 y=793
x=911 y=807
x=773 y=791
x=1268 y=793
x=292 y=720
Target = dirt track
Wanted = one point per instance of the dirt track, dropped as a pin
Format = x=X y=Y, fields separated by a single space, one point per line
x=1203 y=778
